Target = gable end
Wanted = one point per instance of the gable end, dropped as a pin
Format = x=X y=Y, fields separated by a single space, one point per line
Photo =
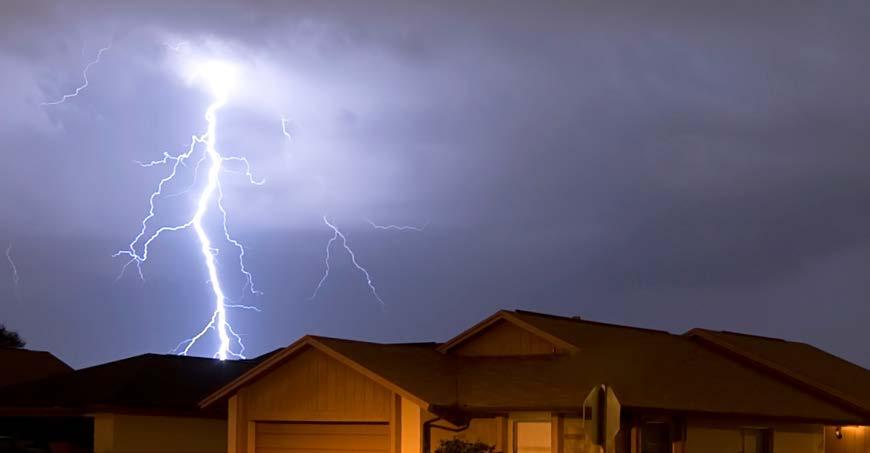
x=505 y=335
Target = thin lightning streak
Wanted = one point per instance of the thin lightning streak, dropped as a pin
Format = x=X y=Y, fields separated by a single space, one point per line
x=176 y=47
x=15 y=276
x=245 y=307
x=249 y=284
x=212 y=192
x=83 y=85
x=284 y=122
x=337 y=234
x=395 y=227
x=326 y=262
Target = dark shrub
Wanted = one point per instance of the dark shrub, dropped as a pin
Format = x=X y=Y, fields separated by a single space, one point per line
x=460 y=446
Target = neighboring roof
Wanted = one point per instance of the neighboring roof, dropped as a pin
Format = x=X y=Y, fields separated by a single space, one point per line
x=148 y=383
x=20 y=365
x=647 y=369
x=801 y=363
x=501 y=316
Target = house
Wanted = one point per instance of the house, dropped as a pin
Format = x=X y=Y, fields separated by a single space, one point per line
x=20 y=365
x=146 y=403
x=518 y=380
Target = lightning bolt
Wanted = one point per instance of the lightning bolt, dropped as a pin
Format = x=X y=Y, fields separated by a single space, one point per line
x=83 y=85
x=210 y=194
x=15 y=277
x=284 y=122
x=336 y=235
x=395 y=227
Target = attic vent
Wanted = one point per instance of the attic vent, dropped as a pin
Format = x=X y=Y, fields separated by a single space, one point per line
x=577 y=317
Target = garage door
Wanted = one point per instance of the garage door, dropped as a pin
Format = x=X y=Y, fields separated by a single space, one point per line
x=294 y=437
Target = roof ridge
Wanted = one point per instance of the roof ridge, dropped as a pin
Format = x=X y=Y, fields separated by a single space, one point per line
x=348 y=340
x=185 y=357
x=831 y=393
x=112 y=362
x=752 y=335
x=849 y=362
x=586 y=321
x=802 y=343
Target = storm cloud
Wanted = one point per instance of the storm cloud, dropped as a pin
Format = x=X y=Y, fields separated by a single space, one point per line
x=671 y=165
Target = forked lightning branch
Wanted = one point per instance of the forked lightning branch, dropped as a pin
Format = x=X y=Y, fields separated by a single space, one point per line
x=200 y=160
x=202 y=154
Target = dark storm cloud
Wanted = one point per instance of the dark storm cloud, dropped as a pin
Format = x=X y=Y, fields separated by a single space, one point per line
x=674 y=164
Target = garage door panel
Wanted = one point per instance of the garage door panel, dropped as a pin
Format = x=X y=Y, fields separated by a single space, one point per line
x=315 y=450
x=322 y=437
x=321 y=441
x=322 y=428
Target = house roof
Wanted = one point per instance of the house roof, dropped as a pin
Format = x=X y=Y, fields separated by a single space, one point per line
x=20 y=365
x=148 y=383
x=647 y=369
x=513 y=318
x=801 y=363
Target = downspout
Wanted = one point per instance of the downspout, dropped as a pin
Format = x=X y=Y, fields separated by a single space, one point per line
x=427 y=432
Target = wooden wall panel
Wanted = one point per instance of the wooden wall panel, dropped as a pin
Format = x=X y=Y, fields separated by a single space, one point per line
x=325 y=437
x=504 y=339
x=157 y=434
x=789 y=438
x=314 y=386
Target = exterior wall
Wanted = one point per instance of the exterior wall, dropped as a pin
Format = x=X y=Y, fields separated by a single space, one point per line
x=566 y=433
x=798 y=439
x=490 y=431
x=411 y=431
x=314 y=386
x=713 y=438
x=145 y=434
x=504 y=339
x=728 y=437
x=311 y=386
x=856 y=439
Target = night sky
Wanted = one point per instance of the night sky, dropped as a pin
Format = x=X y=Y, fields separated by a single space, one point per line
x=667 y=164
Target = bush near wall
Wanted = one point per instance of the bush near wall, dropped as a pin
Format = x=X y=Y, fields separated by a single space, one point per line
x=459 y=446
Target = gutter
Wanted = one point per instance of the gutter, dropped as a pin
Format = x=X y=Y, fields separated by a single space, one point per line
x=427 y=431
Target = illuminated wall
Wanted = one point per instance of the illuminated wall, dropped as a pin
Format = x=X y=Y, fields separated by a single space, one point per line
x=738 y=436
x=412 y=441
x=310 y=387
x=486 y=430
x=146 y=434
x=853 y=439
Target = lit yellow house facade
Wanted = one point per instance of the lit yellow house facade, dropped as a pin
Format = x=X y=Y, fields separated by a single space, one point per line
x=127 y=433
x=517 y=382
